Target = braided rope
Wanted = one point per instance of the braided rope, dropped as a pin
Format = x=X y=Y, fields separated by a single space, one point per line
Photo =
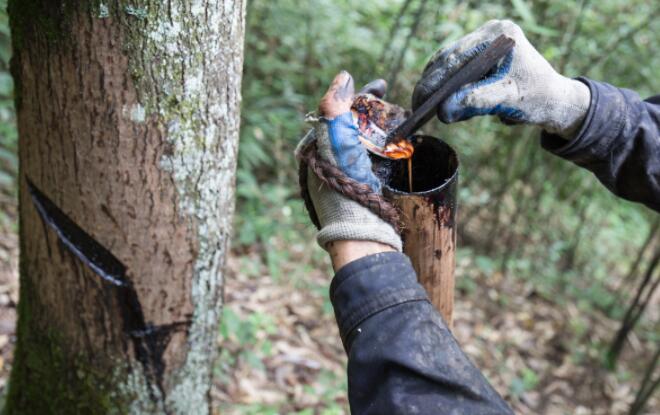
x=341 y=183
x=304 y=191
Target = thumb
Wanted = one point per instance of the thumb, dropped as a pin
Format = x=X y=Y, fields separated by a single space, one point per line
x=339 y=97
x=482 y=98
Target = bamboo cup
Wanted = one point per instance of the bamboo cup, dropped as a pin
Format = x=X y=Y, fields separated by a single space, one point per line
x=428 y=215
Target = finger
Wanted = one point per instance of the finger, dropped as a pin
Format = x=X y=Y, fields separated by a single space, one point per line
x=377 y=87
x=486 y=33
x=440 y=59
x=454 y=108
x=510 y=121
x=427 y=86
x=339 y=97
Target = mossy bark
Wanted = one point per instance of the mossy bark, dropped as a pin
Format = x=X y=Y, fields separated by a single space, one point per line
x=128 y=116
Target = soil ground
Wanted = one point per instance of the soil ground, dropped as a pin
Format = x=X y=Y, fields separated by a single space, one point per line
x=525 y=345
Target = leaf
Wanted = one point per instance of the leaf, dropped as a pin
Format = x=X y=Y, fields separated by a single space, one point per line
x=230 y=323
x=6 y=84
x=529 y=21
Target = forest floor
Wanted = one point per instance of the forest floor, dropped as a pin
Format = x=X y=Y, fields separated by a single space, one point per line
x=281 y=352
x=542 y=358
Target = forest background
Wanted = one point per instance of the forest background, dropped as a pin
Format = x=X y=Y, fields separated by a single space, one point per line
x=551 y=266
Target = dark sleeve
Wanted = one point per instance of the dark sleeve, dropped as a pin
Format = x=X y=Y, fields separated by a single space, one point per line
x=402 y=359
x=619 y=142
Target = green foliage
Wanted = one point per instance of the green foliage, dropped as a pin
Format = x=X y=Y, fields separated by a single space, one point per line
x=526 y=381
x=244 y=332
x=537 y=216
x=246 y=340
x=8 y=134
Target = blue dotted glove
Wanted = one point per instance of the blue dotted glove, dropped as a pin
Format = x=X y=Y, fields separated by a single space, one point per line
x=343 y=148
x=523 y=87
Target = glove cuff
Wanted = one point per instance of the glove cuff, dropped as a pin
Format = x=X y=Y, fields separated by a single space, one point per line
x=570 y=106
x=376 y=231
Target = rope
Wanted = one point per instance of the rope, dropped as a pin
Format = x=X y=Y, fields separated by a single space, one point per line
x=341 y=183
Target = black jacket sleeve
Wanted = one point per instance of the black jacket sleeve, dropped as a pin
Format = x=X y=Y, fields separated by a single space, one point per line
x=619 y=142
x=402 y=359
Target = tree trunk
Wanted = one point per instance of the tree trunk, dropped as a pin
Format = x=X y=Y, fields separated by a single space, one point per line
x=128 y=118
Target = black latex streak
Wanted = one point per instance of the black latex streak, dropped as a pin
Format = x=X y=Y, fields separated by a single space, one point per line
x=79 y=242
x=149 y=341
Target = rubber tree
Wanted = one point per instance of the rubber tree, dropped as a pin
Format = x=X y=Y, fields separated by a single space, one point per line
x=128 y=117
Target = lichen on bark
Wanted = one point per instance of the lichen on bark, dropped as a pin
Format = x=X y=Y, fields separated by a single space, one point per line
x=187 y=65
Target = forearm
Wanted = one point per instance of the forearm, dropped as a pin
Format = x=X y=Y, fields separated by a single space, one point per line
x=344 y=252
x=401 y=356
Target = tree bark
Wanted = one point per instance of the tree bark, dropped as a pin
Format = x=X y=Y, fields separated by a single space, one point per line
x=128 y=117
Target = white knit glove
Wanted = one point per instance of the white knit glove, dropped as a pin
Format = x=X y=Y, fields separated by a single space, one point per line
x=337 y=142
x=523 y=87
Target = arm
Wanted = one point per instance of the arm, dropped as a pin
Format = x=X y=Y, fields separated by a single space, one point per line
x=345 y=252
x=402 y=359
x=607 y=130
x=619 y=142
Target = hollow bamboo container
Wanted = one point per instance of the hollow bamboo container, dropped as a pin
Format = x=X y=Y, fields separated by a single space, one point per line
x=428 y=216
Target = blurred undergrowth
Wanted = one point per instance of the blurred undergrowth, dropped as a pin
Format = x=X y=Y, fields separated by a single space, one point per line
x=8 y=134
